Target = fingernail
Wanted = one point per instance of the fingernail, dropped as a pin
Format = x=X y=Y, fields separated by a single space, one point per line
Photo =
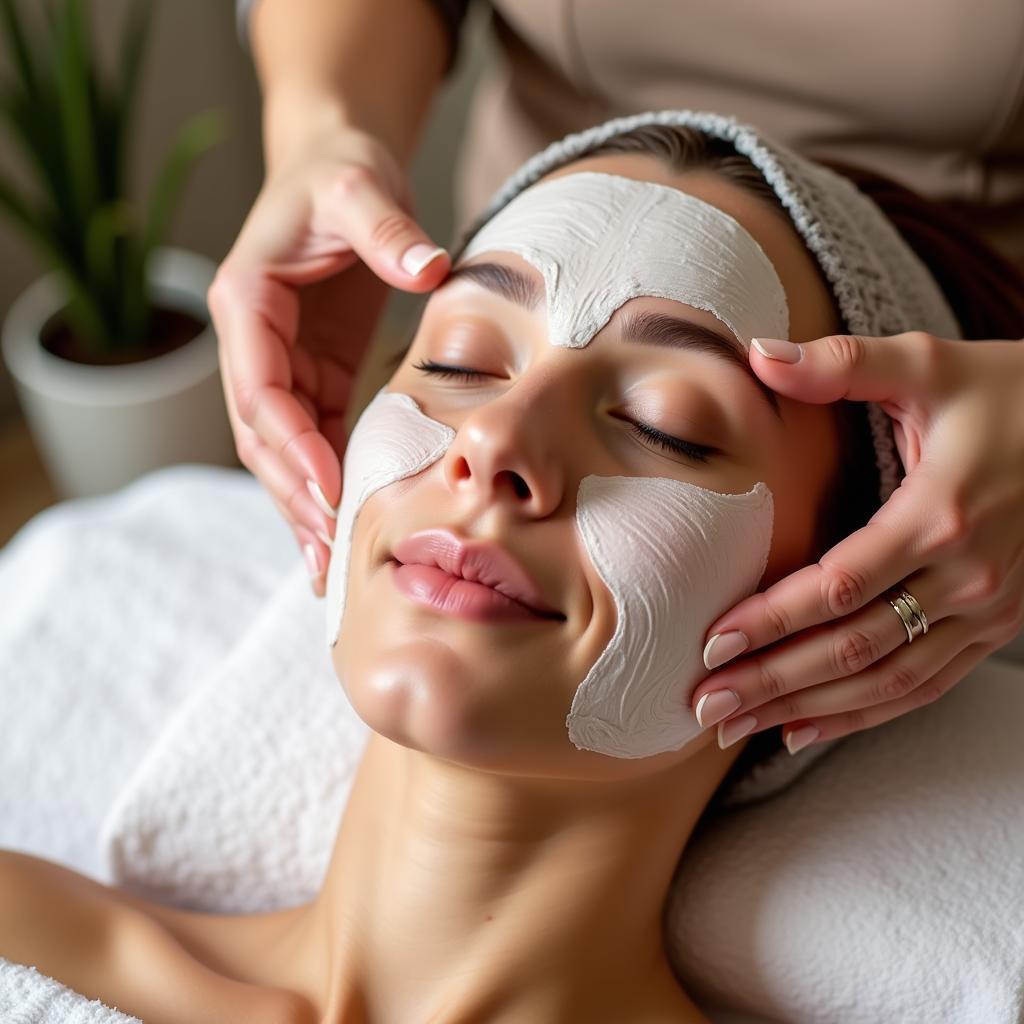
x=776 y=348
x=312 y=565
x=723 y=646
x=417 y=256
x=320 y=498
x=714 y=706
x=326 y=538
x=799 y=738
x=730 y=732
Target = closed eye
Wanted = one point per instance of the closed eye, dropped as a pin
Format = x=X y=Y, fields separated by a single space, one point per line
x=652 y=436
x=649 y=435
x=442 y=370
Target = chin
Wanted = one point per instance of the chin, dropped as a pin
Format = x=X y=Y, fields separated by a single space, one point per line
x=419 y=694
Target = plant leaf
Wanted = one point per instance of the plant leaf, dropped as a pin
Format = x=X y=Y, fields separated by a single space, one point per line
x=21 y=53
x=77 y=113
x=197 y=134
x=108 y=223
x=133 y=47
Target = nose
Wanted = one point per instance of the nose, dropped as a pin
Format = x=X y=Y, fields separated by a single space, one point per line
x=504 y=454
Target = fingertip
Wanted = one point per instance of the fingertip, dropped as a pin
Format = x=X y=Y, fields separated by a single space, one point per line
x=425 y=264
x=778 y=350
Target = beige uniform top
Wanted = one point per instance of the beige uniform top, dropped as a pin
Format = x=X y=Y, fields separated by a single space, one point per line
x=928 y=92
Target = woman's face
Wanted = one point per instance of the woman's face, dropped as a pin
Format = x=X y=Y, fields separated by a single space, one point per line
x=531 y=421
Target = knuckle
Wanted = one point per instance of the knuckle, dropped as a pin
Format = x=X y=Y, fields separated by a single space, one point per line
x=791 y=707
x=216 y=293
x=389 y=229
x=853 y=652
x=352 y=179
x=847 y=350
x=842 y=589
x=896 y=683
x=951 y=526
x=247 y=402
x=986 y=580
x=777 y=620
x=854 y=721
x=769 y=682
x=1008 y=621
x=929 y=353
x=247 y=454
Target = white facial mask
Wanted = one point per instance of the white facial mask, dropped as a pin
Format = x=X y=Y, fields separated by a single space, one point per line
x=599 y=240
x=674 y=556
x=391 y=440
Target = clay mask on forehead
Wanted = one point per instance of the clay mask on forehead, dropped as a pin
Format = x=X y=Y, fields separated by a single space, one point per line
x=599 y=240
x=672 y=555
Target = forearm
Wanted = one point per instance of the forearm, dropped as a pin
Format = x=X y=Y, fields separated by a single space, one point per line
x=371 y=64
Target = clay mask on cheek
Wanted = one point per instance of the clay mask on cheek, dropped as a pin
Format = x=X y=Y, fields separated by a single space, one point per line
x=674 y=556
x=599 y=240
x=391 y=440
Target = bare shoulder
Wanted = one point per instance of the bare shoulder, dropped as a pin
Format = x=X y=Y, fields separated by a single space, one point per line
x=50 y=916
x=108 y=945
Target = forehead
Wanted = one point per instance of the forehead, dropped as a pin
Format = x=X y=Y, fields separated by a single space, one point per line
x=599 y=240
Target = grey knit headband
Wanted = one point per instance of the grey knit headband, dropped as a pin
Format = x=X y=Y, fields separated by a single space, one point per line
x=880 y=285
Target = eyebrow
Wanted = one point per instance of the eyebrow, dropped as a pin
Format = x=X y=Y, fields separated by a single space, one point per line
x=647 y=328
x=644 y=328
x=508 y=282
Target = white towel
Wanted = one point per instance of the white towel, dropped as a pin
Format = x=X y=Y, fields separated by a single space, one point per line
x=113 y=609
x=28 y=997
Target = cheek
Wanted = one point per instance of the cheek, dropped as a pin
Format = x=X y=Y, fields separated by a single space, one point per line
x=673 y=556
x=800 y=471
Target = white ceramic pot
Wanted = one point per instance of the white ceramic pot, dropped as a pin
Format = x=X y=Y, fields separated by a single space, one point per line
x=99 y=427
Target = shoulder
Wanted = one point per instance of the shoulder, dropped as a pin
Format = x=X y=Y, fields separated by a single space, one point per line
x=104 y=944
x=49 y=915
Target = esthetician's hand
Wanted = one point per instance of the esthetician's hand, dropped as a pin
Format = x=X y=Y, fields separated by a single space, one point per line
x=952 y=534
x=294 y=304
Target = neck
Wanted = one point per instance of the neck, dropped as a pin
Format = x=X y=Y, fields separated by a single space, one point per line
x=460 y=895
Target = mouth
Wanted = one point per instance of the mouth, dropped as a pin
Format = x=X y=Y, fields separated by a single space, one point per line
x=478 y=580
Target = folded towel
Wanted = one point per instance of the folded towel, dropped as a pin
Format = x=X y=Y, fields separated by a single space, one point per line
x=261 y=759
x=114 y=608
x=28 y=997
x=887 y=884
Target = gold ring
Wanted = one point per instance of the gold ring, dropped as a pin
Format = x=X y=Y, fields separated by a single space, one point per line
x=910 y=612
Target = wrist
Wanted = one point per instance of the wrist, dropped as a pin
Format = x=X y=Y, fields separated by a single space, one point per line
x=296 y=119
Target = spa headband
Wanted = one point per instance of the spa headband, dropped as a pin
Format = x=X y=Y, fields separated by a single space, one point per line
x=880 y=285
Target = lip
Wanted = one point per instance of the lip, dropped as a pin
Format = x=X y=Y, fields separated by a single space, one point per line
x=470 y=578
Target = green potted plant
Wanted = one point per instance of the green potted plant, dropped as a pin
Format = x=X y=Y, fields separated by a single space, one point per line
x=112 y=352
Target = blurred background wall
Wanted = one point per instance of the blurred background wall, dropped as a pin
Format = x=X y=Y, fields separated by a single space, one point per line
x=196 y=61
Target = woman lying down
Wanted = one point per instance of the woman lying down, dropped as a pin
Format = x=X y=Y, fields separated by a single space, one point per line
x=570 y=474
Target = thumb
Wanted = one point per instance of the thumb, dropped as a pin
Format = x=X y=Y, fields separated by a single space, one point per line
x=896 y=369
x=380 y=232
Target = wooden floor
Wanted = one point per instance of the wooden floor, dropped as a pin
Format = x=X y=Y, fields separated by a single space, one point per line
x=25 y=489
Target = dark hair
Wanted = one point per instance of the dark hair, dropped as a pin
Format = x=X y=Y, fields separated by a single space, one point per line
x=985 y=291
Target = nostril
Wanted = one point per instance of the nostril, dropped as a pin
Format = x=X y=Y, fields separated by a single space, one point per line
x=522 y=488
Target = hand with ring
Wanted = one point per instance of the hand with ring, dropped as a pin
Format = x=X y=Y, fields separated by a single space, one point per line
x=897 y=613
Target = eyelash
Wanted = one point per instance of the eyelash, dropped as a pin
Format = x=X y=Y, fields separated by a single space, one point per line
x=649 y=435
